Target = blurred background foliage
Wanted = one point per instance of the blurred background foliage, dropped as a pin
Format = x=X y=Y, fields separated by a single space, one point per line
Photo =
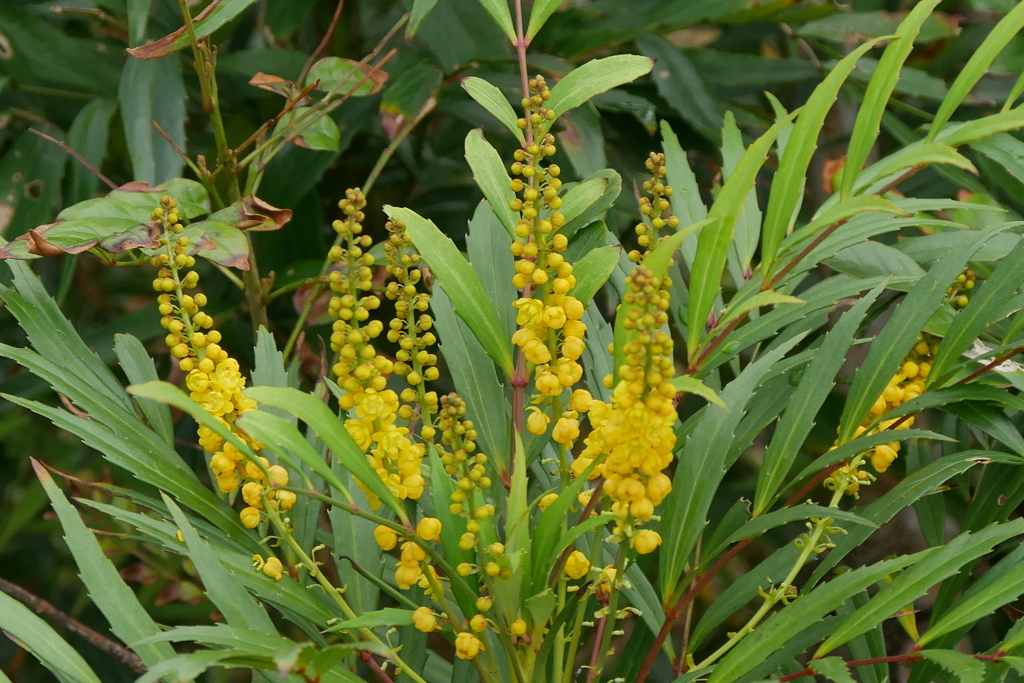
x=64 y=72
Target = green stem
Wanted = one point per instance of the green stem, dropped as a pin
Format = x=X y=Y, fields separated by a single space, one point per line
x=285 y=533
x=609 y=627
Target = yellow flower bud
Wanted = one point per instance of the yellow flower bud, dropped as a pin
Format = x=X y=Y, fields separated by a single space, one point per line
x=273 y=568
x=537 y=421
x=483 y=603
x=386 y=538
x=467 y=646
x=424 y=620
x=577 y=565
x=250 y=517
x=429 y=529
x=478 y=623
x=518 y=627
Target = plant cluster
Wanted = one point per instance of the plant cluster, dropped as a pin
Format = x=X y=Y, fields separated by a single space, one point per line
x=511 y=466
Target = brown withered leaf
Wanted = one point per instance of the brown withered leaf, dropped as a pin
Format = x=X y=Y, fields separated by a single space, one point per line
x=279 y=86
x=175 y=41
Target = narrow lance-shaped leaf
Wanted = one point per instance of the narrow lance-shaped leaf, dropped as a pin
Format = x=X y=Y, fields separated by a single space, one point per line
x=788 y=184
x=981 y=312
x=714 y=240
x=461 y=284
x=999 y=586
x=942 y=563
x=36 y=636
x=222 y=586
x=493 y=100
x=807 y=609
x=595 y=77
x=880 y=89
x=976 y=67
x=128 y=619
x=900 y=332
x=965 y=667
x=539 y=13
x=592 y=271
x=420 y=10
x=498 y=9
x=491 y=177
x=815 y=386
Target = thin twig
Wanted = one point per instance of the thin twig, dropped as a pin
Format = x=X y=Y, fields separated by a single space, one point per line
x=78 y=157
x=324 y=42
x=45 y=609
x=372 y=663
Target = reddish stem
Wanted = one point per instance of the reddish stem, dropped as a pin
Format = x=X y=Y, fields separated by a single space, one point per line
x=911 y=657
x=372 y=663
x=592 y=672
x=324 y=41
x=995 y=363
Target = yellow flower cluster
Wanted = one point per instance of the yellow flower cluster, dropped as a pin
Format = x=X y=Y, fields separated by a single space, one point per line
x=390 y=451
x=271 y=566
x=959 y=290
x=214 y=379
x=550 y=331
x=359 y=366
x=905 y=385
x=411 y=328
x=635 y=431
x=362 y=372
x=413 y=561
x=655 y=209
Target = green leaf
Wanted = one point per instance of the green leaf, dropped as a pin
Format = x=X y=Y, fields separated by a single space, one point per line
x=493 y=100
x=688 y=384
x=714 y=241
x=498 y=9
x=153 y=90
x=832 y=668
x=977 y=66
x=991 y=421
x=139 y=368
x=452 y=526
x=806 y=609
x=341 y=76
x=748 y=225
x=595 y=77
x=986 y=303
x=963 y=666
x=593 y=270
x=577 y=207
x=88 y=136
x=412 y=91
x=222 y=585
x=332 y=432
x=1000 y=585
x=814 y=388
x=767 y=298
x=907 y=587
x=539 y=13
x=220 y=242
x=128 y=620
x=845 y=26
x=420 y=10
x=476 y=381
x=549 y=528
x=841 y=211
x=699 y=473
x=777 y=518
x=900 y=332
x=459 y=280
x=864 y=443
x=491 y=177
x=880 y=89
x=788 y=183
x=216 y=15
x=36 y=636
x=138 y=18
x=389 y=616
x=873 y=259
x=680 y=83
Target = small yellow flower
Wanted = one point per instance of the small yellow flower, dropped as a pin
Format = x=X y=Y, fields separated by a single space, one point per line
x=429 y=529
x=250 y=517
x=424 y=620
x=478 y=623
x=273 y=568
x=518 y=627
x=547 y=500
x=467 y=646
x=566 y=430
x=386 y=538
x=577 y=565
x=646 y=541
x=483 y=603
x=537 y=421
